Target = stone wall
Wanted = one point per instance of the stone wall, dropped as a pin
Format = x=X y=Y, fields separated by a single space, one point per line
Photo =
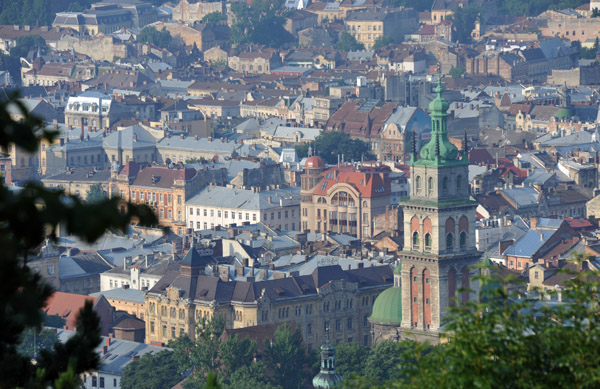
x=100 y=48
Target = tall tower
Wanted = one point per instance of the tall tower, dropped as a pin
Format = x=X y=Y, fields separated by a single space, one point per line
x=439 y=231
x=313 y=167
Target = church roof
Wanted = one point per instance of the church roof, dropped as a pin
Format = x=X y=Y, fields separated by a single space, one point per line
x=387 y=308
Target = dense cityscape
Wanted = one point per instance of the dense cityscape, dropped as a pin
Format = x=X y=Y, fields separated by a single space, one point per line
x=299 y=194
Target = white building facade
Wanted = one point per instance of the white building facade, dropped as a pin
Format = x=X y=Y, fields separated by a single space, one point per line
x=221 y=206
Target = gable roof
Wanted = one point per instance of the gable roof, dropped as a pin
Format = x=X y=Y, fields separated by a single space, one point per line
x=67 y=306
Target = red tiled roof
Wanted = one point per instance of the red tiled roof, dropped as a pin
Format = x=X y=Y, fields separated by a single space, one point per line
x=367 y=183
x=67 y=305
x=578 y=222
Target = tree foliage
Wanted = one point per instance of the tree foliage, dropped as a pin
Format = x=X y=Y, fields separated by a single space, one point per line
x=214 y=18
x=151 y=371
x=330 y=145
x=158 y=38
x=27 y=217
x=24 y=45
x=535 y=7
x=350 y=358
x=287 y=358
x=347 y=42
x=37 y=12
x=457 y=72
x=463 y=21
x=261 y=22
x=587 y=53
x=32 y=341
x=231 y=359
x=95 y=194
x=502 y=341
x=382 y=41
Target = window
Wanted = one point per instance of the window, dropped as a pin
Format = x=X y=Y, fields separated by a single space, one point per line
x=51 y=269
x=219 y=213
x=178 y=199
x=428 y=241
x=449 y=242
x=338 y=325
x=173 y=332
x=192 y=211
x=463 y=240
x=349 y=323
x=445 y=184
x=309 y=329
x=227 y=214
x=247 y=216
x=308 y=309
x=458 y=183
x=418 y=184
x=253 y=217
x=536 y=275
x=102 y=382
x=164 y=331
x=415 y=239
x=94 y=381
x=430 y=185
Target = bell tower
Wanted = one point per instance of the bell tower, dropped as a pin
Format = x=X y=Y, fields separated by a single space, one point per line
x=439 y=230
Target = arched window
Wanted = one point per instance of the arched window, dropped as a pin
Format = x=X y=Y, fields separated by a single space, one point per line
x=430 y=184
x=459 y=183
x=415 y=239
x=463 y=240
x=449 y=242
x=428 y=241
x=445 y=184
x=419 y=184
x=364 y=204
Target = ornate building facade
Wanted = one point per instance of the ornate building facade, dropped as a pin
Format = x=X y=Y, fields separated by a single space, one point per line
x=439 y=236
x=329 y=303
x=343 y=199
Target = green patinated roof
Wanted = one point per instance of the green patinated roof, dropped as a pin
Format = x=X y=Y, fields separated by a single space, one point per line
x=398 y=270
x=439 y=151
x=564 y=113
x=388 y=307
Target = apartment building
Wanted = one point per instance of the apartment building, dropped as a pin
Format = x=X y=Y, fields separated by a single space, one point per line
x=343 y=199
x=329 y=302
x=368 y=25
x=216 y=206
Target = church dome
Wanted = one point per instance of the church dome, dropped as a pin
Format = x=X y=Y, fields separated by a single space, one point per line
x=439 y=104
x=387 y=308
x=314 y=162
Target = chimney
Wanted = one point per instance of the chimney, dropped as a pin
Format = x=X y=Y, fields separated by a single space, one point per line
x=55 y=124
x=108 y=341
x=182 y=136
x=104 y=350
x=503 y=245
x=533 y=222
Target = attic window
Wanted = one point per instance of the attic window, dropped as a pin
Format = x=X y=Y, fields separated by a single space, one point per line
x=361 y=182
x=324 y=186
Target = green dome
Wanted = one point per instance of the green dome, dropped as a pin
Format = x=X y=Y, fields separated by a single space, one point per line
x=388 y=307
x=439 y=104
x=439 y=149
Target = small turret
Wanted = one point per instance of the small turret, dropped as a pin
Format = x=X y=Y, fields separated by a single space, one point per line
x=327 y=377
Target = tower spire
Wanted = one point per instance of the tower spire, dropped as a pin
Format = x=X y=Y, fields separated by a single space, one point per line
x=413 y=154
